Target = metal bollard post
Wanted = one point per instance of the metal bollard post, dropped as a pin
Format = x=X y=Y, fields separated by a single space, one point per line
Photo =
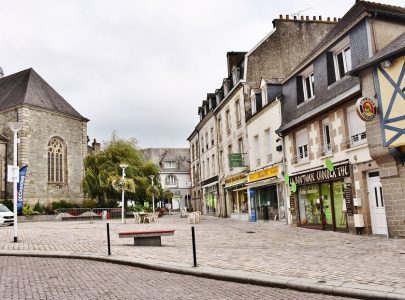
x=108 y=238
x=194 y=252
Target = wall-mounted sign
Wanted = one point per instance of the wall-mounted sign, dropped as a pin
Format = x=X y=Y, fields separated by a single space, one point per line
x=263 y=174
x=321 y=175
x=348 y=199
x=292 y=204
x=366 y=108
x=235 y=160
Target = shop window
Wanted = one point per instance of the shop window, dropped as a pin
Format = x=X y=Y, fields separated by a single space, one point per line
x=357 y=128
x=302 y=145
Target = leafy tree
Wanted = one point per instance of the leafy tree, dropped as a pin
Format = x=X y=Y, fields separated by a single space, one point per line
x=103 y=176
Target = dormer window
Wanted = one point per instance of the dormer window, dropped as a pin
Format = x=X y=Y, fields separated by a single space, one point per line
x=253 y=104
x=308 y=86
x=235 y=76
x=170 y=165
x=227 y=86
x=343 y=62
x=339 y=61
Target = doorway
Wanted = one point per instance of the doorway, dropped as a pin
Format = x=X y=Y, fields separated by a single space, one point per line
x=377 y=205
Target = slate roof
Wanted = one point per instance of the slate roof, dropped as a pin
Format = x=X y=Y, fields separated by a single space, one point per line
x=392 y=50
x=28 y=88
x=359 y=8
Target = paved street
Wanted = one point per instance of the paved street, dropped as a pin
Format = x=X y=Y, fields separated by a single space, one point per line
x=262 y=251
x=56 y=278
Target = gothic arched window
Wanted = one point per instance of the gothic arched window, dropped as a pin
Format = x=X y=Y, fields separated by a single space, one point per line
x=56 y=161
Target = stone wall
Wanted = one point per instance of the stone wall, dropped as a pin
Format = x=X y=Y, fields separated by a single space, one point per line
x=40 y=126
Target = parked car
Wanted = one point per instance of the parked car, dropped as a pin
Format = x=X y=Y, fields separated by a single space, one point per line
x=6 y=216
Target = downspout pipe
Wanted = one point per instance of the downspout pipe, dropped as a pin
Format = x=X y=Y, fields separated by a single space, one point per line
x=285 y=172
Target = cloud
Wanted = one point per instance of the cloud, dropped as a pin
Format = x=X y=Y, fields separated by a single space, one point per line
x=140 y=67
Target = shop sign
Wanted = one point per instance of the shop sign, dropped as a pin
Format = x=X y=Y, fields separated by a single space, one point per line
x=235 y=160
x=366 y=108
x=292 y=204
x=321 y=175
x=263 y=174
x=241 y=178
x=349 y=199
x=252 y=205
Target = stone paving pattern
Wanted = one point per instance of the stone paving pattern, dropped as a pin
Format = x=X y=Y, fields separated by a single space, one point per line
x=56 y=278
x=267 y=248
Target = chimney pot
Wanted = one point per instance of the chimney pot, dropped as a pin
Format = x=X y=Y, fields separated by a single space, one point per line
x=281 y=17
x=287 y=17
x=307 y=18
x=313 y=18
x=302 y=17
x=334 y=19
x=295 y=17
x=328 y=18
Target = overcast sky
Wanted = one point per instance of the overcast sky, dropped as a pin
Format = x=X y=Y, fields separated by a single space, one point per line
x=141 y=67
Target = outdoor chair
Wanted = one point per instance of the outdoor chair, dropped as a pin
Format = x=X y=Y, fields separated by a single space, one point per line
x=149 y=218
x=137 y=217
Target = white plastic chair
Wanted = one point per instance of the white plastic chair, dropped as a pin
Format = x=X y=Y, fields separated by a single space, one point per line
x=137 y=217
x=192 y=218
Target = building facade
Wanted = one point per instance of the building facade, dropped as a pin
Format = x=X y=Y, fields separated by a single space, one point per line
x=174 y=174
x=333 y=179
x=52 y=141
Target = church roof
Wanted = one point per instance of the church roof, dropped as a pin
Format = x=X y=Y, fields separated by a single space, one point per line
x=28 y=88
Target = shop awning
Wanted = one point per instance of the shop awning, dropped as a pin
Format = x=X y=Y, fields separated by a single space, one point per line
x=264 y=182
x=235 y=183
x=210 y=184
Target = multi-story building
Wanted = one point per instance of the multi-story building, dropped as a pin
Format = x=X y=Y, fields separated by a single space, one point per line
x=196 y=200
x=174 y=174
x=333 y=179
x=266 y=65
x=382 y=76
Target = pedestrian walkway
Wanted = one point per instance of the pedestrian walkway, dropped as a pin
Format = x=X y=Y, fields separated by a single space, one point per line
x=267 y=253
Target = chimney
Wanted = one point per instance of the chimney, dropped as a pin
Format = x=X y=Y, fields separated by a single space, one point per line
x=96 y=147
x=287 y=17
x=328 y=18
x=334 y=19
x=302 y=18
x=307 y=18
x=281 y=17
x=295 y=17
x=320 y=18
x=314 y=18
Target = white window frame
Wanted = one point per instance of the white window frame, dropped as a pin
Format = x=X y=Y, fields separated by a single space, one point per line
x=256 y=150
x=301 y=138
x=253 y=105
x=238 y=113
x=219 y=125
x=268 y=145
x=264 y=96
x=342 y=48
x=357 y=127
x=170 y=180
x=170 y=164
x=311 y=78
x=228 y=120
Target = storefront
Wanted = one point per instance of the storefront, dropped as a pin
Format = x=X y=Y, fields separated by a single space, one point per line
x=236 y=193
x=264 y=193
x=324 y=198
x=210 y=196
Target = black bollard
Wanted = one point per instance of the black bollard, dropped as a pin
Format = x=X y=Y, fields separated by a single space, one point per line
x=194 y=252
x=108 y=238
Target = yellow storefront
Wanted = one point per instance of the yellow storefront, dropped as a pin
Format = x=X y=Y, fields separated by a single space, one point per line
x=236 y=194
x=264 y=194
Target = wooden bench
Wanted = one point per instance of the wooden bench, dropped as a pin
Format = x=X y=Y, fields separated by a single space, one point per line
x=147 y=237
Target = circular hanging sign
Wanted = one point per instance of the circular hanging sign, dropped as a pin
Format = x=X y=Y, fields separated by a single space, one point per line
x=366 y=108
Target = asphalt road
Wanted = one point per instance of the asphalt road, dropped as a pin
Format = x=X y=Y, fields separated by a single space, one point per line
x=57 y=278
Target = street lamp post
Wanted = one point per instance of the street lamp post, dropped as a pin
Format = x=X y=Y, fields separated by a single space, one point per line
x=123 y=167
x=153 y=195
x=15 y=127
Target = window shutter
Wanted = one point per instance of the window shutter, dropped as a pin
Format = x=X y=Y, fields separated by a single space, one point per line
x=300 y=90
x=330 y=67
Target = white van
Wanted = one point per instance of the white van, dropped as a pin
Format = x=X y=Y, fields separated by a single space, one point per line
x=6 y=216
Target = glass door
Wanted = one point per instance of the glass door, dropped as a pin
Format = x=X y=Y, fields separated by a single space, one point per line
x=310 y=205
x=327 y=217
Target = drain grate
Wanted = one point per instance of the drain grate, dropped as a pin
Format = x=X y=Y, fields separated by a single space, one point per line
x=250 y=232
x=321 y=281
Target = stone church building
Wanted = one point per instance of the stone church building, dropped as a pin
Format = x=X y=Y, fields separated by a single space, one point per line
x=52 y=140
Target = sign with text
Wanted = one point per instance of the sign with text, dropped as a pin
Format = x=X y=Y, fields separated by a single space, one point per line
x=322 y=175
x=263 y=174
x=292 y=204
x=349 y=199
x=235 y=160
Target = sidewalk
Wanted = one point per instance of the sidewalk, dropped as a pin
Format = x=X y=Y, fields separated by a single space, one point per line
x=265 y=253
